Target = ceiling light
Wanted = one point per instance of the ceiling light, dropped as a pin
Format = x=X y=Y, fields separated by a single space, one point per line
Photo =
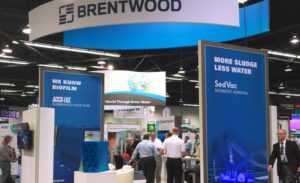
x=281 y=87
x=7 y=49
x=15 y=42
x=173 y=79
x=51 y=66
x=191 y=105
x=288 y=69
x=7 y=84
x=2 y=99
x=23 y=95
x=32 y=86
x=9 y=91
x=295 y=40
x=36 y=90
x=98 y=67
x=110 y=67
x=167 y=95
x=30 y=92
x=242 y=1
x=181 y=71
x=97 y=71
x=26 y=30
x=77 y=68
x=178 y=75
x=101 y=62
x=282 y=54
x=2 y=55
x=17 y=62
x=77 y=50
x=288 y=96
x=180 y=100
x=194 y=81
x=197 y=86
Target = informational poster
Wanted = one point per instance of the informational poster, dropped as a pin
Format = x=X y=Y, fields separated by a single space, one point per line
x=77 y=98
x=234 y=113
x=127 y=88
x=7 y=129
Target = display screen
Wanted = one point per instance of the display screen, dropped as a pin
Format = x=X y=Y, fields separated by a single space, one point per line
x=162 y=135
x=24 y=137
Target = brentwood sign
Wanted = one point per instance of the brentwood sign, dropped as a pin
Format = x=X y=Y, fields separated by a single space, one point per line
x=57 y=16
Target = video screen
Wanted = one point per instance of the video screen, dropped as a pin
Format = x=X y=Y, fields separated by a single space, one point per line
x=24 y=137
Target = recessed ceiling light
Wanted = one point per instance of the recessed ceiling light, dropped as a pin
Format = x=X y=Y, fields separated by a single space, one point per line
x=288 y=69
x=110 y=67
x=32 y=86
x=2 y=99
x=295 y=40
x=77 y=68
x=178 y=75
x=281 y=87
x=101 y=62
x=288 y=96
x=7 y=84
x=15 y=42
x=180 y=100
x=30 y=92
x=181 y=71
x=23 y=95
x=7 y=49
x=27 y=29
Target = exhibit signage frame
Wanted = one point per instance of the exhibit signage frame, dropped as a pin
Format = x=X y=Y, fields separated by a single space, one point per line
x=203 y=100
x=63 y=71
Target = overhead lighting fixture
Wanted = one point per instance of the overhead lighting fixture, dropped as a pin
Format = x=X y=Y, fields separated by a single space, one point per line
x=32 y=86
x=51 y=66
x=283 y=54
x=173 y=79
x=288 y=96
x=7 y=49
x=15 y=42
x=3 y=55
x=101 y=62
x=281 y=87
x=181 y=71
x=284 y=94
x=295 y=40
x=98 y=67
x=77 y=68
x=194 y=81
x=7 y=84
x=17 y=62
x=197 y=86
x=23 y=95
x=288 y=69
x=2 y=99
x=180 y=100
x=30 y=92
x=110 y=67
x=191 y=105
x=97 y=71
x=27 y=29
x=36 y=90
x=178 y=75
x=77 y=50
x=9 y=91
x=167 y=95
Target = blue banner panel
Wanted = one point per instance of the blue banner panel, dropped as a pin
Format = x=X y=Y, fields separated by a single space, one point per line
x=76 y=98
x=254 y=20
x=235 y=113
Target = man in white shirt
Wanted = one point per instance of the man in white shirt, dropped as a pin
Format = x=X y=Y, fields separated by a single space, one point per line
x=174 y=149
x=158 y=159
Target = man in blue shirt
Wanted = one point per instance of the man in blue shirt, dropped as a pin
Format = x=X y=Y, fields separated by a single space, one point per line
x=147 y=152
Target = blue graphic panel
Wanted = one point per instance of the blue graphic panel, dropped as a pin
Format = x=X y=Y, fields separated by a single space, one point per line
x=169 y=35
x=76 y=98
x=95 y=156
x=236 y=115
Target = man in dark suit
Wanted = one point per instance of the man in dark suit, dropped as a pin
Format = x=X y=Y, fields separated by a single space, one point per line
x=288 y=158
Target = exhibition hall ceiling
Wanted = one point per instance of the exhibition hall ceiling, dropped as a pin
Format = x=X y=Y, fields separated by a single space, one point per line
x=284 y=24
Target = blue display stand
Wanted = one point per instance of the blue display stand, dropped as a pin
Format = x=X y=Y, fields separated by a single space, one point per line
x=95 y=156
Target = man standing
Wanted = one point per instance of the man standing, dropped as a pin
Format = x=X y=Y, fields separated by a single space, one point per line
x=288 y=158
x=7 y=155
x=158 y=159
x=147 y=153
x=174 y=149
x=187 y=145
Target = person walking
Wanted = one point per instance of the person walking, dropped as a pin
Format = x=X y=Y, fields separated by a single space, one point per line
x=148 y=152
x=158 y=159
x=288 y=158
x=174 y=148
x=7 y=155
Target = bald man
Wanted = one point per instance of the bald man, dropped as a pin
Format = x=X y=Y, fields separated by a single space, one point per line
x=288 y=158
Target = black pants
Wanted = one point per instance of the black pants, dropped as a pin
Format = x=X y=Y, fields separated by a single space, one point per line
x=288 y=174
x=148 y=166
x=174 y=170
x=6 y=175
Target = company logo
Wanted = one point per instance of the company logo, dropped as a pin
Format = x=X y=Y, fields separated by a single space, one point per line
x=66 y=14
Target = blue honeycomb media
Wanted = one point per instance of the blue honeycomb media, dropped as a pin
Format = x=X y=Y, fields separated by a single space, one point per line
x=95 y=156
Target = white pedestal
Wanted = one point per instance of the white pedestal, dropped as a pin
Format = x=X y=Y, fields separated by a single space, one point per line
x=119 y=176
x=37 y=164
